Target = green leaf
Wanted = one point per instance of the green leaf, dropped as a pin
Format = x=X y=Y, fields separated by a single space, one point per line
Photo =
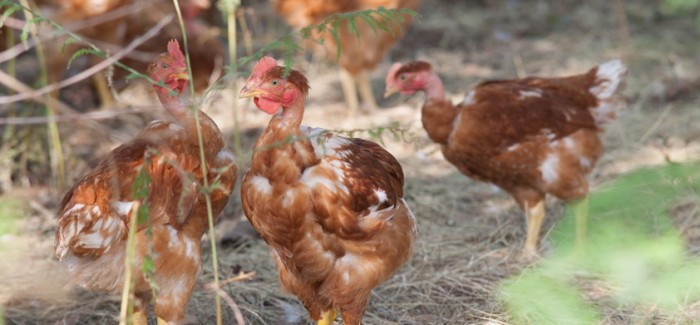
x=536 y=298
x=68 y=41
x=352 y=27
x=10 y=10
x=334 y=32
x=407 y=11
x=79 y=53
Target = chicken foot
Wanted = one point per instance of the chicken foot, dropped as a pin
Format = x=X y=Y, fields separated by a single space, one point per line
x=327 y=317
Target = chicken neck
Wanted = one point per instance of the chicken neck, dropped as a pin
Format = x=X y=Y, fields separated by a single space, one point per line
x=433 y=87
x=291 y=116
x=438 y=114
x=176 y=106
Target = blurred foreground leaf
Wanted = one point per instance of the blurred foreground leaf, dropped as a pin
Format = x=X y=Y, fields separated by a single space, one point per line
x=632 y=248
x=11 y=210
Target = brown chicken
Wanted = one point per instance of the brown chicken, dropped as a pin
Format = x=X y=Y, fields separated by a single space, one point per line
x=330 y=208
x=358 y=56
x=529 y=136
x=95 y=214
x=113 y=34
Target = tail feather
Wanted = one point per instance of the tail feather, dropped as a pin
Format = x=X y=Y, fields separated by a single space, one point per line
x=608 y=78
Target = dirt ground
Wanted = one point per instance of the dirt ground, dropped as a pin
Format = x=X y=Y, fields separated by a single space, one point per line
x=469 y=233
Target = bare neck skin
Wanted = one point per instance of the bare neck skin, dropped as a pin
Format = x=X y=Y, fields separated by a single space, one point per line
x=433 y=87
x=292 y=115
x=176 y=106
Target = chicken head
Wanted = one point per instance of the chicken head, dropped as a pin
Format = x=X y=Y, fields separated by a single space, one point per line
x=170 y=68
x=272 y=87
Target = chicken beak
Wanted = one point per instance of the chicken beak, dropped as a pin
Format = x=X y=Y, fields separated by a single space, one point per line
x=390 y=90
x=248 y=93
x=182 y=75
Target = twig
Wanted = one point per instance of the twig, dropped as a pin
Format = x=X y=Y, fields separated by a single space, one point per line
x=92 y=70
x=519 y=66
x=239 y=277
x=624 y=30
x=96 y=115
x=231 y=303
x=656 y=124
x=18 y=49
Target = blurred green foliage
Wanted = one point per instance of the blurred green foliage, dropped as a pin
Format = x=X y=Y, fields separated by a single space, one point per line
x=682 y=7
x=11 y=210
x=632 y=250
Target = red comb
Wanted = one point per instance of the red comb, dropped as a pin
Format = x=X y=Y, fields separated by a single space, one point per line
x=264 y=64
x=174 y=51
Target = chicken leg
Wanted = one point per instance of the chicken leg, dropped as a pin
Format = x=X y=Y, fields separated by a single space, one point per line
x=347 y=81
x=365 y=87
x=535 y=216
x=327 y=317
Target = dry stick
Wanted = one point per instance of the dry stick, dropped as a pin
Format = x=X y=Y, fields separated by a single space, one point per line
x=624 y=30
x=96 y=115
x=656 y=123
x=17 y=86
x=519 y=66
x=247 y=36
x=92 y=70
x=129 y=265
x=232 y=304
x=240 y=277
x=202 y=159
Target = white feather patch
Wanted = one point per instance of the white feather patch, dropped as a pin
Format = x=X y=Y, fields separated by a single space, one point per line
x=122 y=208
x=609 y=75
x=534 y=93
x=261 y=184
x=550 y=168
x=469 y=98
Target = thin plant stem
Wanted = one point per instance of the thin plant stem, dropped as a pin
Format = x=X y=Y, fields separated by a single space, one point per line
x=56 y=155
x=236 y=136
x=205 y=180
x=127 y=306
x=247 y=37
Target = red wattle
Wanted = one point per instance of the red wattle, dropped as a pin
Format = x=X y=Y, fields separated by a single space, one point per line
x=266 y=105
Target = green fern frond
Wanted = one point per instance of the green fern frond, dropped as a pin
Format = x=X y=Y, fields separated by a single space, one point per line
x=352 y=27
x=8 y=12
x=67 y=42
x=81 y=52
x=335 y=27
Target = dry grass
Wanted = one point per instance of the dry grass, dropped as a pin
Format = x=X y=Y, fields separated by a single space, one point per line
x=469 y=234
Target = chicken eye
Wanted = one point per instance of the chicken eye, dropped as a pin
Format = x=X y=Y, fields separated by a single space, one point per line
x=274 y=82
x=164 y=66
x=402 y=77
